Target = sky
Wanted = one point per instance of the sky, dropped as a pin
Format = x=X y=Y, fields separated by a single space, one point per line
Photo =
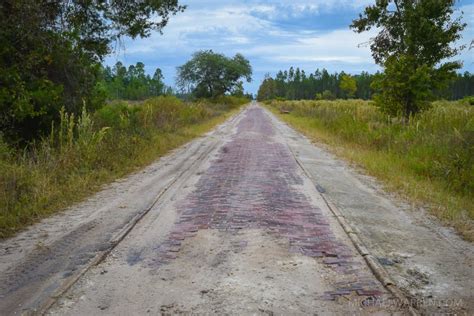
x=273 y=35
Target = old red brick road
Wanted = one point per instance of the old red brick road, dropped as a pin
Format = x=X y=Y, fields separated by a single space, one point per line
x=244 y=231
x=252 y=184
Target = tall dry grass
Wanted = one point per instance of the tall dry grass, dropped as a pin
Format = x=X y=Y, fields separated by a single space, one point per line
x=430 y=158
x=83 y=153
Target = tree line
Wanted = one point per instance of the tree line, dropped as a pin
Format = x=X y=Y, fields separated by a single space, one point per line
x=132 y=83
x=417 y=68
x=51 y=61
x=206 y=75
x=51 y=53
x=296 y=84
x=462 y=86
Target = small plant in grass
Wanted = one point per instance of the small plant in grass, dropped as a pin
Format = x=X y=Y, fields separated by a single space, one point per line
x=325 y=95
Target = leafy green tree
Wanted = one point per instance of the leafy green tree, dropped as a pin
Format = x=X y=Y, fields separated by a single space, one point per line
x=50 y=54
x=132 y=83
x=210 y=74
x=238 y=89
x=268 y=89
x=414 y=38
x=348 y=85
x=157 y=87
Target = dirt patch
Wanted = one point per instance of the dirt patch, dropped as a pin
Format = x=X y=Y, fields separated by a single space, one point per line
x=209 y=277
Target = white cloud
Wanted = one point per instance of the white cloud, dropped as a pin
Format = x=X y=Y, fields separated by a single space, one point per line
x=335 y=46
x=252 y=27
x=188 y=31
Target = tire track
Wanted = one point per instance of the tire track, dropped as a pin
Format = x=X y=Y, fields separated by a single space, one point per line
x=32 y=285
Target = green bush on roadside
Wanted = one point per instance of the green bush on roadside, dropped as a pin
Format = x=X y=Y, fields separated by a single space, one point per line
x=468 y=100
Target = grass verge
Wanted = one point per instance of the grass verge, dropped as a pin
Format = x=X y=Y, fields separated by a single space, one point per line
x=82 y=154
x=429 y=160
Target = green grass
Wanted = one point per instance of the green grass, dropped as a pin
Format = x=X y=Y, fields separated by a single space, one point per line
x=429 y=160
x=85 y=153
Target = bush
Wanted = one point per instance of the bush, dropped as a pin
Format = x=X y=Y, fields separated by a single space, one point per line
x=468 y=100
x=325 y=95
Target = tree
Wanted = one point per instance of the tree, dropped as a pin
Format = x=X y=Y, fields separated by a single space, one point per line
x=268 y=89
x=333 y=85
x=238 y=90
x=414 y=38
x=50 y=54
x=132 y=83
x=364 y=81
x=348 y=85
x=210 y=74
x=157 y=86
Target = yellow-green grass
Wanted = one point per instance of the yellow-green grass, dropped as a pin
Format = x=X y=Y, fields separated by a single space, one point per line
x=83 y=154
x=428 y=160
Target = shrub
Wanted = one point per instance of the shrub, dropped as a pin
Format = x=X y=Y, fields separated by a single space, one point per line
x=468 y=100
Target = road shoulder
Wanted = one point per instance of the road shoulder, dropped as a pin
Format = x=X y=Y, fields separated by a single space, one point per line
x=432 y=264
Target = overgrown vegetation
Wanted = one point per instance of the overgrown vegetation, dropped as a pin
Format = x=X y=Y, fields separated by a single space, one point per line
x=83 y=152
x=132 y=83
x=430 y=157
x=51 y=51
x=59 y=139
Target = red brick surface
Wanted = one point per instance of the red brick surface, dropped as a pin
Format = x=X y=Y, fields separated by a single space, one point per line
x=252 y=184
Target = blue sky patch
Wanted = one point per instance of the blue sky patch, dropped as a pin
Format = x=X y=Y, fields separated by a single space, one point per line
x=273 y=35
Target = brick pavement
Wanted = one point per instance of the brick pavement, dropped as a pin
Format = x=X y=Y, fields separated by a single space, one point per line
x=253 y=184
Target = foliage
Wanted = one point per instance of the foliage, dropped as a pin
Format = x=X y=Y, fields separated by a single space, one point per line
x=469 y=100
x=297 y=85
x=348 y=85
x=268 y=89
x=403 y=92
x=82 y=153
x=325 y=95
x=430 y=157
x=412 y=60
x=50 y=53
x=210 y=74
x=132 y=83
x=460 y=87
